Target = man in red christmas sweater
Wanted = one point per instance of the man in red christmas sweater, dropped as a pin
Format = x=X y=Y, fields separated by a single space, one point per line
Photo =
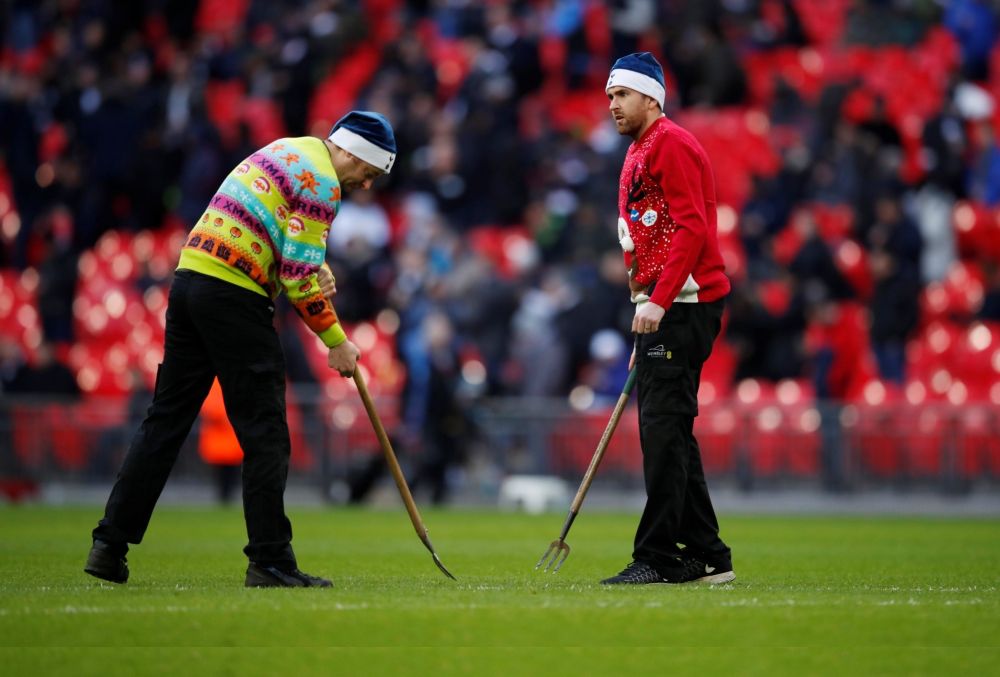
x=666 y=226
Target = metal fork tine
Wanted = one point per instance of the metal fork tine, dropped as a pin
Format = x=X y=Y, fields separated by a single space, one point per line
x=555 y=555
x=559 y=551
x=546 y=555
x=440 y=565
x=552 y=559
x=565 y=551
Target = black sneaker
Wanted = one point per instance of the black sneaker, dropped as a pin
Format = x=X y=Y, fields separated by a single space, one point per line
x=105 y=563
x=696 y=571
x=264 y=576
x=636 y=573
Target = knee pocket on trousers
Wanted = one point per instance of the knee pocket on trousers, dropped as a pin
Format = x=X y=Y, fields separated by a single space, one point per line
x=669 y=389
x=269 y=380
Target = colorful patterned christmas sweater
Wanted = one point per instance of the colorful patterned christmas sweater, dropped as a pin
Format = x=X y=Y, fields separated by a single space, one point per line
x=265 y=229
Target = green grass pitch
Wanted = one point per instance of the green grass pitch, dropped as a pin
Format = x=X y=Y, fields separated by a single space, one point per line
x=814 y=595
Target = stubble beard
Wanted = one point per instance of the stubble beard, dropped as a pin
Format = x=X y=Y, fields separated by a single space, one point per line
x=626 y=127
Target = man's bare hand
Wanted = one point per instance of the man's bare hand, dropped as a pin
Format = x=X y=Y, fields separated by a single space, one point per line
x=647 y=318
x=327 y=282
x=344 y=358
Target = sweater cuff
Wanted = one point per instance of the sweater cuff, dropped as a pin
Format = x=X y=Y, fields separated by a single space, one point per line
x=333 y=336
x=660 y=296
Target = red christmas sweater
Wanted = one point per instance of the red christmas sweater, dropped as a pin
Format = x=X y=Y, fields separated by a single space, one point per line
x=666 y=196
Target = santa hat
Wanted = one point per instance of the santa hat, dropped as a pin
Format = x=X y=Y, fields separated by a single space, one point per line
x=368 y=136
x=641 y=72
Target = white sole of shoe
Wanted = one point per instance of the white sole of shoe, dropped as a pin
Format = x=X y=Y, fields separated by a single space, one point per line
x=718 y=579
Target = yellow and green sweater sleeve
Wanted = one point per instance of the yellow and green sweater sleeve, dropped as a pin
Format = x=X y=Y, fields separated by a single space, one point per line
x=266 y=229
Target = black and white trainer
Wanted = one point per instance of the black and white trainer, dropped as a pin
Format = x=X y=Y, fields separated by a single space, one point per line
x=694 y=570
x=268 y=576
x=636 y=573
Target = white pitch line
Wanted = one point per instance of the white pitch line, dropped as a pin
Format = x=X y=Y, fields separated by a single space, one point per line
x=75 y=610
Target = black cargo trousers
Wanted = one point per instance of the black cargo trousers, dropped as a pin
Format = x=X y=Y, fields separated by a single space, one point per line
x=678 y=507
x=213 y=328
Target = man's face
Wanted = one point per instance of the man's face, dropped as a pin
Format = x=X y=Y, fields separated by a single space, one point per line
x=629 y=109
x=360 y=175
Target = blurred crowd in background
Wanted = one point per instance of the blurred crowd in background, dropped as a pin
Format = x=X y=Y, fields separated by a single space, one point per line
x=854 y=143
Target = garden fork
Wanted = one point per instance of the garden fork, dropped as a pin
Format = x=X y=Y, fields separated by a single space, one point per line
x=558 y=550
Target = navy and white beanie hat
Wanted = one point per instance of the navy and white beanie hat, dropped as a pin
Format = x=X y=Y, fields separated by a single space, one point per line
x=368 y=136
x=641 y=72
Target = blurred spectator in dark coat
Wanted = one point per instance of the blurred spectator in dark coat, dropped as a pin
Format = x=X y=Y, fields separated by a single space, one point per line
x=537 y=348
x=57 y=274
x=990 y=309
x=628 y=20
x=766 y=322
x=432 y=411
x=945 y=145
x=834 y=178
x=813 y=265
x=708 y=72
x=895 y=233
x=359 y=257
x=894 y=312
x=202 y=165
x=44 y=375
x=11 y=362
x=19 y=131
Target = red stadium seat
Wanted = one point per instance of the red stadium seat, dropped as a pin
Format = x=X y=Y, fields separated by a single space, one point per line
x=717 y=430
x=717 y=372
x=932 y=350
x=823 y=20
x=978 y=441
x=782 y=430
x=221 y=17
x=977 y=230
x=574 y=440
x=924 y=432
x=566 y=445
x=870 y=427
x=834 y=222
x=263 y=117
x=973 y=357
x=334 y=96
x=966 y=289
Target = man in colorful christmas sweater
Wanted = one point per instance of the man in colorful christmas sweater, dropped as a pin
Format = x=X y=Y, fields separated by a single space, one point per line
x=264 y=232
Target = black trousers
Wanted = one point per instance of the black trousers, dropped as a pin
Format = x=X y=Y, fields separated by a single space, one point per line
x=678 y=507
x=213 y=329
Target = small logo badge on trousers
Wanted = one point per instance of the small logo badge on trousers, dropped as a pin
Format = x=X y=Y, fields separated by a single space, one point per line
x=659 y=352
